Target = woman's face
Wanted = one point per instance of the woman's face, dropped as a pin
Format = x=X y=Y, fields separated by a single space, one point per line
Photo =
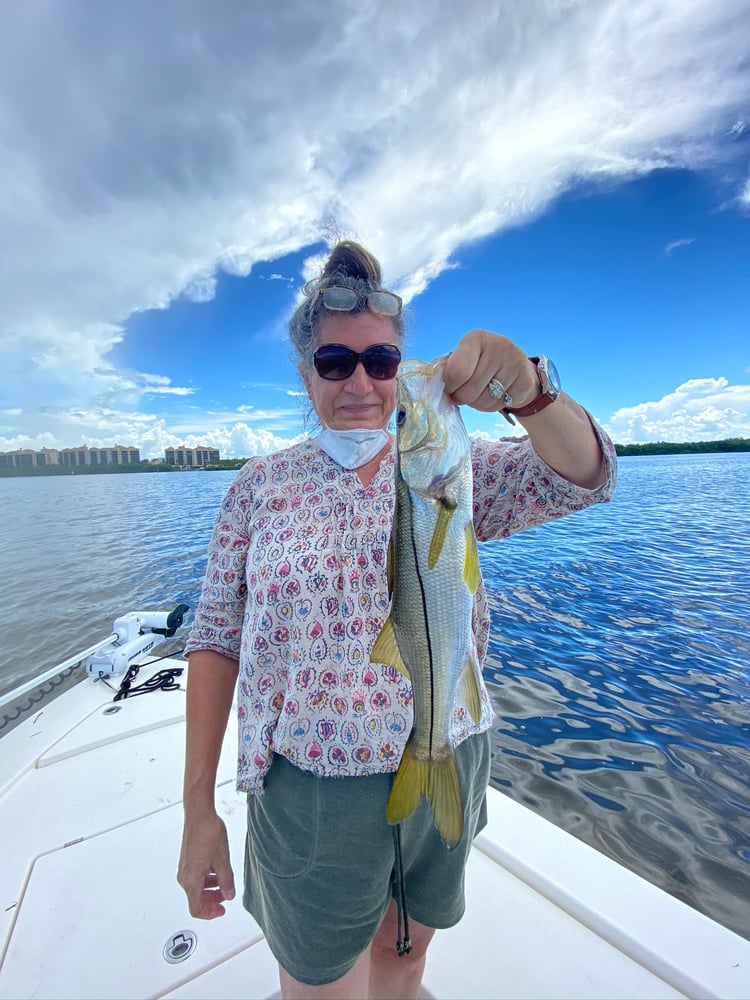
x=357 y=401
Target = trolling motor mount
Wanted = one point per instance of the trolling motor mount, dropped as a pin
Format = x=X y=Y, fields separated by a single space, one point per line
x=136 y=633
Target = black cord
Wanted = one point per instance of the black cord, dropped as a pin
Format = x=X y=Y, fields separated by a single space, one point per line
x=403 y=942
x=164 y=680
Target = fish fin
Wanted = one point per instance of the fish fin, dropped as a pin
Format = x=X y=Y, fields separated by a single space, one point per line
x=470 y=691
x=445 y=513
x=445 y=799
x=386 y=649
x=410 y=784
x=471 y=561
x=438 y=781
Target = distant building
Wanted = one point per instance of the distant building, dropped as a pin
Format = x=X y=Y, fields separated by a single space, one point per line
x=191 y=458
x=20 y=459
x=118 y=455
x=47 y=456
x=25 y=457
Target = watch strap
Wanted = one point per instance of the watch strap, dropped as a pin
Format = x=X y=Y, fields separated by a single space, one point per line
x=535 y=406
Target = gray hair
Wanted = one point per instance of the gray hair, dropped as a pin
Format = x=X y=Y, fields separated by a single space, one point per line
x=350 y=266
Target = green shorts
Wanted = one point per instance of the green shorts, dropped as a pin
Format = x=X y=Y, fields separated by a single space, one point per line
x=320 y=859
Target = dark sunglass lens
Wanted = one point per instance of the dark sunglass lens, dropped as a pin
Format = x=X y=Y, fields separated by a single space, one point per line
x=381 y=361
x=335 y=362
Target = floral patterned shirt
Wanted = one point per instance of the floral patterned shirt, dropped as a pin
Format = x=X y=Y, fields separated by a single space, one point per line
x=296 y=590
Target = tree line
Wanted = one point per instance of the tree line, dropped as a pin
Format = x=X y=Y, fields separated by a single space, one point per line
x=684 y=447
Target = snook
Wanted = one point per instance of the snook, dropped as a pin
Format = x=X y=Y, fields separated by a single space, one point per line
x=433 y=574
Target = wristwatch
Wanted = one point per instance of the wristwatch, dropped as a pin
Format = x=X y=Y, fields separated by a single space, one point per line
x=551 y=389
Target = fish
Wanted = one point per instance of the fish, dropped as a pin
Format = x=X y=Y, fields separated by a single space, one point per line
x=433 y=574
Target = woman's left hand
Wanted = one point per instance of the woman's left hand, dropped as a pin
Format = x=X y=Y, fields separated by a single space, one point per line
x=481 y=356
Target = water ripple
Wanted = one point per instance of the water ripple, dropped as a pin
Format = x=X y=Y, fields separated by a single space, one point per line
x=619 y=659
x=619 y=673
x=78 y=550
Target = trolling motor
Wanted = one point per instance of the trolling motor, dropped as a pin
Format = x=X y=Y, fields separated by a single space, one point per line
x=135 y=634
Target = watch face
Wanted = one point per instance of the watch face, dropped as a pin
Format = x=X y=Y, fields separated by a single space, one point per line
x=553 y=378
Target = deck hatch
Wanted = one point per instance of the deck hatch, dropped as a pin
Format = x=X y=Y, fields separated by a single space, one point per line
x=179 y=947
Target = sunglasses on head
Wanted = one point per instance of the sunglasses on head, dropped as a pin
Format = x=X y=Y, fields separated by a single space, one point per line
x=341 y=299
x=337 y=362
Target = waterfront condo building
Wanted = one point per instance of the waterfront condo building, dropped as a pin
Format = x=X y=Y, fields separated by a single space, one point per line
x=191 y=458
x=25 y=457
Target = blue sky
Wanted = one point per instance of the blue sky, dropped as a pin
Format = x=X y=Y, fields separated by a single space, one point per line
x=573 y=175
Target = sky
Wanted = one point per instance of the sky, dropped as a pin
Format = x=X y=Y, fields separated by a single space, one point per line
x=572 y=174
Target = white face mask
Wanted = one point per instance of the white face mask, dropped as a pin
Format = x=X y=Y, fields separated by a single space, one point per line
x=353 y=448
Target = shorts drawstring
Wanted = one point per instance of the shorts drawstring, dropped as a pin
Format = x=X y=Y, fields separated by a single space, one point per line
x=403 y=943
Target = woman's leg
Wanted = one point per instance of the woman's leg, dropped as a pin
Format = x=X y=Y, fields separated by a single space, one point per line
x=394 y=976
x=319 y=856
x=352 y=986
x=380 y=973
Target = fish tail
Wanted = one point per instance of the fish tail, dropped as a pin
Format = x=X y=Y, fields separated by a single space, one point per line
x=435 y=779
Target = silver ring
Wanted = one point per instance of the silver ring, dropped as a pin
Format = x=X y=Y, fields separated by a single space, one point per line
x=497 y=390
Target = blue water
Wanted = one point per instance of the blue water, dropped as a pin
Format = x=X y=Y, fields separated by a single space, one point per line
x=619 y=662
x=620 y=670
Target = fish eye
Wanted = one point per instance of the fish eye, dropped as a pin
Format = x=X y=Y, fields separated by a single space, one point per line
x=400 y=416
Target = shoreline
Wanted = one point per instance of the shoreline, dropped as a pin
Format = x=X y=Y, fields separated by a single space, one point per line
x=724 y=446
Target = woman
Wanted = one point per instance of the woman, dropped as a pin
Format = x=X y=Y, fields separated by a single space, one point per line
x=294 y=597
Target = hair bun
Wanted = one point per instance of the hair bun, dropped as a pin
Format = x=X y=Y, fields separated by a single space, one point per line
x=349 y=259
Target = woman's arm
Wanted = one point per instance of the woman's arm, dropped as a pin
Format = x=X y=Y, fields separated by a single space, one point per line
x=205 y=871
x=561 y=433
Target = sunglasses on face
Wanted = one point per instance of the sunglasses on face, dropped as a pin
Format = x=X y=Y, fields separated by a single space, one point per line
x=337 y=362
x=341 y=299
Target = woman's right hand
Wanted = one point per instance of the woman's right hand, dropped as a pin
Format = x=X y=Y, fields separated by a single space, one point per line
x=204 y=871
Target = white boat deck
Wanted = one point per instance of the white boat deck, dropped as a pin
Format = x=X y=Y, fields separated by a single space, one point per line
x=88 y=898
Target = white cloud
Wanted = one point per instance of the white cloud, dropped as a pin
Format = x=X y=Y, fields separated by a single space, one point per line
x=207 y=420
x=200 y=288
x=238 y=440
x=703 y=409
x=242 y=441
x=145 y=150
x=240 y=432
x=235 y=441
x=745 y=194
x=678 y=243
x=277 y=277
x=167 y=390
x=127 y=382
x=95 y=426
